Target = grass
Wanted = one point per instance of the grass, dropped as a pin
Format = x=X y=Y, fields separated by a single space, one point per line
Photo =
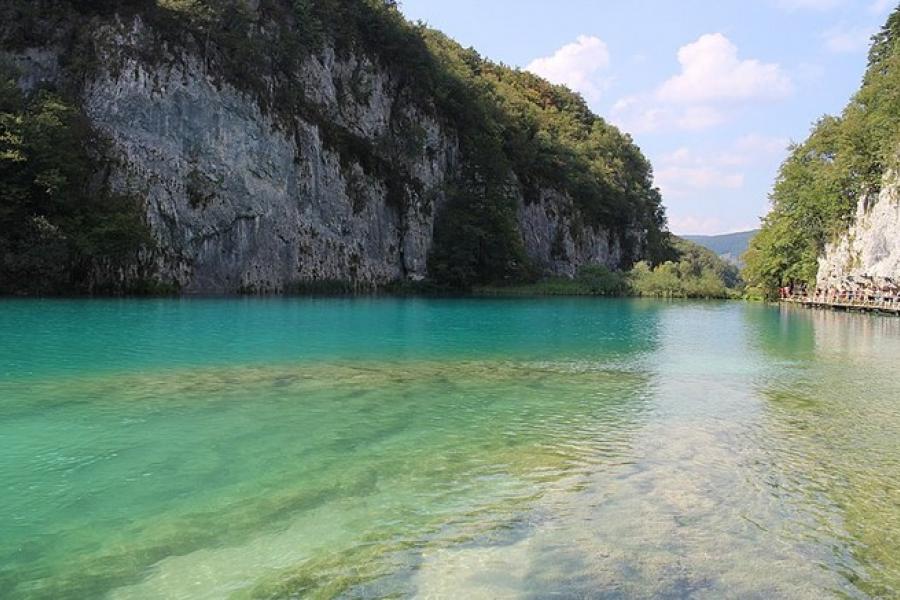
x=552 y=286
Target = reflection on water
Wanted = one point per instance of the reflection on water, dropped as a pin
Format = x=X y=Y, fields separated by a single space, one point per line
x=478 y=449
x=834 y=429
x=725 y=496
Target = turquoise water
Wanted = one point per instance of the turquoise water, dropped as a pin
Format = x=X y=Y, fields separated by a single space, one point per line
x=368 y=448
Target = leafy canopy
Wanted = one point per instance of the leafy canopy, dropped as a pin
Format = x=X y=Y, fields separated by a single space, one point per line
x=53 y=222
x=818 y=187
x=517 y=132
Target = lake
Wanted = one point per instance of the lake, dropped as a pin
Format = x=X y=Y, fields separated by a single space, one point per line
x=446 y=448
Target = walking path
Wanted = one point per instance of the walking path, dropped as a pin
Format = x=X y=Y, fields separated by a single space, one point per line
x=889 y=305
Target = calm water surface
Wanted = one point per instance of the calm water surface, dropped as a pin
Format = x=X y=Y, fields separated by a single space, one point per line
x=446 y=449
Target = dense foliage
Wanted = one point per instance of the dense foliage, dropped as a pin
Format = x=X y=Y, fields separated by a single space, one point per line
x=54 y=224
x=692 y=272
x=513 y=128
x=696 y=272
x=590 y=280
x=547 y=138
x=820 y=183
x=517 y=132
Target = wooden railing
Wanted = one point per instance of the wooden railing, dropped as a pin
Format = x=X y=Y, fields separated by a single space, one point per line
x=861 y=301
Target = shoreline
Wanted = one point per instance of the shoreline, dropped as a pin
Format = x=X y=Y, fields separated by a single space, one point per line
x=483 y=293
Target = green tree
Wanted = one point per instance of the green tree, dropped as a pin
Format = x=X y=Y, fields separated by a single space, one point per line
x=53 y=222
x=517 y=133
x=821 y=182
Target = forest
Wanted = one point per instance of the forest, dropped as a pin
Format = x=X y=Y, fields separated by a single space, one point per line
x=845 y=158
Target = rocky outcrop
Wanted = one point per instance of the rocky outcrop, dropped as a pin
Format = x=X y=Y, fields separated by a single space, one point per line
x=239 y=201
x=242 y=199
x=870 y=250
x=559 y=242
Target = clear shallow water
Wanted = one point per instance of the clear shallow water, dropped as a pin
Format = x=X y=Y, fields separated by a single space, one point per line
x=446 y=448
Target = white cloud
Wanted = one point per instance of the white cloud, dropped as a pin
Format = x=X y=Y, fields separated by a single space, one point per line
x=712 y=80
x=755 y=142
x=753 y=148
x=712 y=71
x=678 y=181
x=642 y=114
x=696 y=118
x=840 y=40
x=577 y=65
x=747 y=149
x=685 y=176
x=680 y=156
x=694 y=225
x=636 y=115
x=683 y=172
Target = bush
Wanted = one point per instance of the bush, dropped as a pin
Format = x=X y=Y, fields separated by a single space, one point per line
x=600 y=281
x=698 y=273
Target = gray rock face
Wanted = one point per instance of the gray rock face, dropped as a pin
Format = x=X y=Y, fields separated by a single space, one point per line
x=239 y=203
x=242 y=201
x=558 y=242
x=871 y=247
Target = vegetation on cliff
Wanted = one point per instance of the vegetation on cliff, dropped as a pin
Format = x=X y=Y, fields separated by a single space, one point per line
x=57 y=221
x=518 y=134
x=819 y=185
x=690 y=271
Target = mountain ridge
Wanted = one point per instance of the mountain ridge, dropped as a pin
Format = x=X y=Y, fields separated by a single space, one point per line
x=729 y=246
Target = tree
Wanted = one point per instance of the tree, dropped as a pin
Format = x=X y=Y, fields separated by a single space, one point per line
x=824 y=178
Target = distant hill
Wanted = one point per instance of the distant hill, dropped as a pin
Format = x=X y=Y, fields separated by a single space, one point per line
x=730 y=246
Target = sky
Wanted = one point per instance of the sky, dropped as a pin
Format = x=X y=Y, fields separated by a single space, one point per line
x=713 y=91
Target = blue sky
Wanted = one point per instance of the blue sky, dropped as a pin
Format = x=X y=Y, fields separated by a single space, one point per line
x=712 y=91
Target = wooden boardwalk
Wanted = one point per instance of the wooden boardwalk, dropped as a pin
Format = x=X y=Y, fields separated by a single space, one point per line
x=876 y=305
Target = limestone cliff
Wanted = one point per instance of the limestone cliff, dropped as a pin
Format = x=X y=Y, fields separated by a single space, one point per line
x=870 y=250
x=240 y=196
x=239 y=203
